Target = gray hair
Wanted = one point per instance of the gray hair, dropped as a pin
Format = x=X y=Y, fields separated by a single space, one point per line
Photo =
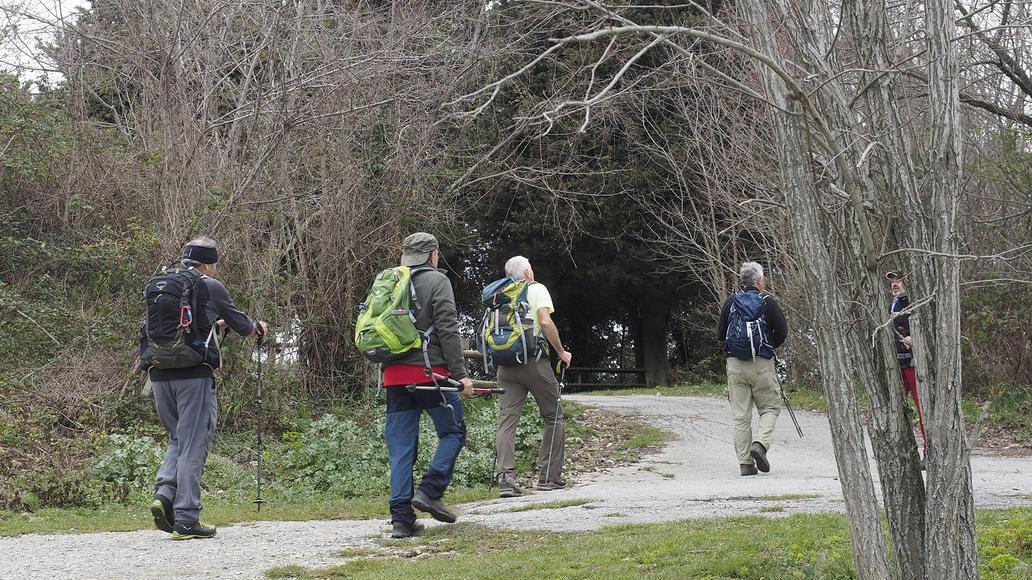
x=201 y=242
x=516 y=266
x=750 y=274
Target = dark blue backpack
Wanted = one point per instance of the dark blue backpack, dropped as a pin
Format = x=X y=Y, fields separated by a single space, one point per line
x=747 y=328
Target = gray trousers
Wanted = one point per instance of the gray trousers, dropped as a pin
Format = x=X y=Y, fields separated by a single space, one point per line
x=186 y=408
x=537 y=378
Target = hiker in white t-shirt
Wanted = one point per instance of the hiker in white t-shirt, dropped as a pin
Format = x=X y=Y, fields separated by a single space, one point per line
x=537 y=378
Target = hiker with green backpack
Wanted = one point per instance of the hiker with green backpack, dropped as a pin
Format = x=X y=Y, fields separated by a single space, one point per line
x=409 y=324
x=516 y=333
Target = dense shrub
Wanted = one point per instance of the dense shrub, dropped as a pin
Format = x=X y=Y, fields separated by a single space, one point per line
x=998 y=345
x=347 y=455
x=128 y=463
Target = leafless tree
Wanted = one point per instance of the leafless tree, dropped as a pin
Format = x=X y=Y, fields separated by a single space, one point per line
x=303 y=135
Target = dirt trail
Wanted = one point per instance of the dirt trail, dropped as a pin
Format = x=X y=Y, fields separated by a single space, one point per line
x=694 y=475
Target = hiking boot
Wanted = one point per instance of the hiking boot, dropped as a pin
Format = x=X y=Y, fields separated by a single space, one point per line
x=403 y=530
x=192 y=531
x=434 y=507
x=759 y=454
x=507 y=486
x=164 y=515
x=747 y=468
x=550 y=485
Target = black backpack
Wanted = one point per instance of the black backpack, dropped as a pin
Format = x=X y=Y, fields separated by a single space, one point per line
x=171 y=329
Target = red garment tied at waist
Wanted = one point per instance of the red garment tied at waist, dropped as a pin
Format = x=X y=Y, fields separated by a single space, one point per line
x=400 y=375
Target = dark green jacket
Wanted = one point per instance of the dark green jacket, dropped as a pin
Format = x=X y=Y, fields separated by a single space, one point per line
x=436 y=301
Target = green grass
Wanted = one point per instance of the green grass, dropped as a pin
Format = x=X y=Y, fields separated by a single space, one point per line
x=550 y=505
x=771 y=509
x=798 y=546
x=1011 y=409
x=647 y=437
x=793 y=496
x=706 y=389
x=357 y=553
x=217 y=512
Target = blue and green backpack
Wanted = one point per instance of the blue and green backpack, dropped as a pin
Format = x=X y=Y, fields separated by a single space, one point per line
x=507 y=331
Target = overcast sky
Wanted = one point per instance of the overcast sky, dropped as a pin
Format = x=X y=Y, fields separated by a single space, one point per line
x=25 y=23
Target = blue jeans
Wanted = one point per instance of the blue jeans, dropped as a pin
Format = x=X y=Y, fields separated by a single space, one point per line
x=402 y=434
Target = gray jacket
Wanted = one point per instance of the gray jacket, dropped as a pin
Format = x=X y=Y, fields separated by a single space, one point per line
x=436 y=301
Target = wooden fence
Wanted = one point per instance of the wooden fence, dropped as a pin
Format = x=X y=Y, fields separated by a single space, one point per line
x=585 y=378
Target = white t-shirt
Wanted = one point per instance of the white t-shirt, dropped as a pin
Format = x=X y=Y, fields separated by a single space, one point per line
x=538 y=298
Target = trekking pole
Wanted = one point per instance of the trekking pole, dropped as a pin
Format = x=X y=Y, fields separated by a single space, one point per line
x=784 y=397
x=479 y=391
x=258 y=481
x=558 y=417
x=455 y=387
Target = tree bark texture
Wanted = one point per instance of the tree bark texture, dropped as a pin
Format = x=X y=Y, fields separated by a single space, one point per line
x=655 y=313
x=884 y=178
x=834 y=353
x=950 y=525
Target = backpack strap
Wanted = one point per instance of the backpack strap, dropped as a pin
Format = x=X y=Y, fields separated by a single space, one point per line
x=415 y=306
x=542 y=344
x=412 y=286
x=194 y=281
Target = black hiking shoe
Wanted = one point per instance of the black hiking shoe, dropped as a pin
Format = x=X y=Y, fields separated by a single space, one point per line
x=747 y=468
x=759 y=454
x=192 y=531
x=164 y=515
x=403 y=530
x=507 y=486
x=434 y=507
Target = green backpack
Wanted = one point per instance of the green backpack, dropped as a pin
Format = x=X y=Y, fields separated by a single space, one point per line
x=507 y=330
x=386 y=326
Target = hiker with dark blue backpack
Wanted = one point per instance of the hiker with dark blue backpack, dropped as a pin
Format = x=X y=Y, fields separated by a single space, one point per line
x=179 y=348
x=516 y=334
x=751 y=327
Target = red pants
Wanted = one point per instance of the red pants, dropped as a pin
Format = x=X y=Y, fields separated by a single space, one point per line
x=910 y=384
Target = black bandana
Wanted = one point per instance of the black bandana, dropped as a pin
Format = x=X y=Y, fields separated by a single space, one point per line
x=201 y=254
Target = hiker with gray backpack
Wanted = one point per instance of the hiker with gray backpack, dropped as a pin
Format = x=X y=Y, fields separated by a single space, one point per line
x=516 y=334
x=751 y=327
x=179 y=349
x=409 y=325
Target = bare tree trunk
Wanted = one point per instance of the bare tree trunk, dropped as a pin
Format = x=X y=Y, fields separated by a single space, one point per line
x=654 y=312
x=950 y=527
x=869 y=550
x=884 y=178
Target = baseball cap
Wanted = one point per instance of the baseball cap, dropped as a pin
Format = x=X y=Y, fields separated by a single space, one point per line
x=416 y=248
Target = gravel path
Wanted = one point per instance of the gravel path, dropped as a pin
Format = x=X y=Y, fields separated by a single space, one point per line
x=694 y=475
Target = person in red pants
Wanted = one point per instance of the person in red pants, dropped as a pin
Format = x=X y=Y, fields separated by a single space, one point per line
x=904 y=346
